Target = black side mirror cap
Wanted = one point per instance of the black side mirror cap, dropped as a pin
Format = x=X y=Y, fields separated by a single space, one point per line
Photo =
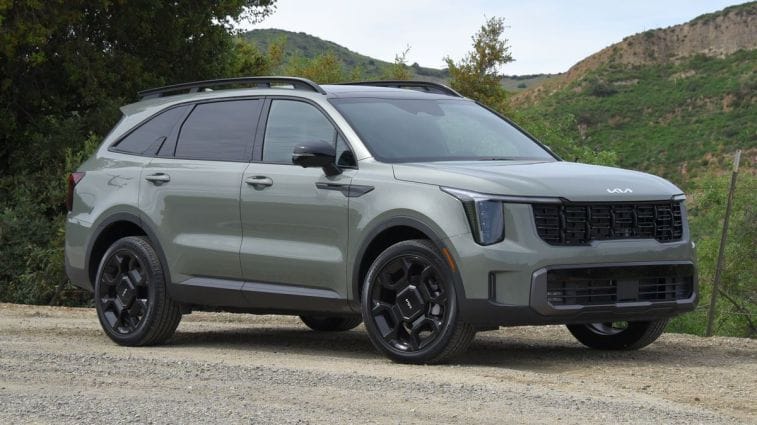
x=316 y=154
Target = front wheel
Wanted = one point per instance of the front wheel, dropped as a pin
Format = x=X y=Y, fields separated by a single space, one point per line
x=618 y=335
x=409 y=305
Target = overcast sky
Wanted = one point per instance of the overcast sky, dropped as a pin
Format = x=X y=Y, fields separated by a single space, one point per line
x=546 y=36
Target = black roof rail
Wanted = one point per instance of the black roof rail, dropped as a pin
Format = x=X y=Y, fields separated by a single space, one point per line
x=193 y=87
x=426 y=86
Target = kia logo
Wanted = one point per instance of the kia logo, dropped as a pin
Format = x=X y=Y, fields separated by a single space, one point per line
x=619 y=190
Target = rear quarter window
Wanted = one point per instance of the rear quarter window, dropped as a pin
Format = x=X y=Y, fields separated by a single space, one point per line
x=151 y=133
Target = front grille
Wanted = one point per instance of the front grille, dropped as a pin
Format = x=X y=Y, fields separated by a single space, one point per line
x=610 y=285
x=582 y=223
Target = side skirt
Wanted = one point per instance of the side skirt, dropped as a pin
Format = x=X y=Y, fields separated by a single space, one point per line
x=258 y=297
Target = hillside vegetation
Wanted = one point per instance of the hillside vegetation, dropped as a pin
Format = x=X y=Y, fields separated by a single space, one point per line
x=299 y=45
x=674 y=101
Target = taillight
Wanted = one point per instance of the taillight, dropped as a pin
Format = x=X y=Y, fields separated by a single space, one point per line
x=73 y=179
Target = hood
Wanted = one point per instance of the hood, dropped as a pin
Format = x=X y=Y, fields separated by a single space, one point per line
x=568 y=180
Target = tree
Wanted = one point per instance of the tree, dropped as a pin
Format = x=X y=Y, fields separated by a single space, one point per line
x=477 y=74
x=65 y=68
x=399 y=69
x=324 y=69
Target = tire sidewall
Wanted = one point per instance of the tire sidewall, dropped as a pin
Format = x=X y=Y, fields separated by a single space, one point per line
x=155 y=284
x=420 y=249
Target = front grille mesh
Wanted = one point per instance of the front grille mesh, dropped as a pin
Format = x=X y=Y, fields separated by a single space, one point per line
x=600 y=286
x=582 y=223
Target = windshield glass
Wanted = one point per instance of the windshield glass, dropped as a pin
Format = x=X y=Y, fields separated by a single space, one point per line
x=413 y=130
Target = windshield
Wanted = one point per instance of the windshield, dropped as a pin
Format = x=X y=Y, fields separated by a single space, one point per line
x=412 y=130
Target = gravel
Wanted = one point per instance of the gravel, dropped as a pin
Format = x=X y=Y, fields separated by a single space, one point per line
x=56 y=366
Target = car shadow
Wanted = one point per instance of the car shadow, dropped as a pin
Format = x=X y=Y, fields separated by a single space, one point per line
x=531 y=354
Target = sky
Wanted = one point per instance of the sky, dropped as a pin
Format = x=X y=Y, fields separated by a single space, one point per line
x=546 y=36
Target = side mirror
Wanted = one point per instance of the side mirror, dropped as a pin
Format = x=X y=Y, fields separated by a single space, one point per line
x=316 y=154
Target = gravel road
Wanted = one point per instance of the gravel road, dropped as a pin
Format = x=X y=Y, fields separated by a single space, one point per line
x=56 y=366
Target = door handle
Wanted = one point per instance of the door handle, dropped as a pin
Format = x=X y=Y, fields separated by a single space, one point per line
x=259 y=181
x=158 y=178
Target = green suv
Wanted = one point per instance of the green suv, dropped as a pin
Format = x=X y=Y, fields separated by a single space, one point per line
x=399 y=204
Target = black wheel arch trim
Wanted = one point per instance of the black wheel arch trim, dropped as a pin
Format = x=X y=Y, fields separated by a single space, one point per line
x=394 y=222
x=137 y=221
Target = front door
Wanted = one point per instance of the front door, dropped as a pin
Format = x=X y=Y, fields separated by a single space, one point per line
x=294 y=219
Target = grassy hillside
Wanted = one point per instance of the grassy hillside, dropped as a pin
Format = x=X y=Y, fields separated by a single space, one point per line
x=300 y=44
x=673 y=119
x=673 y=101
x=519 y=83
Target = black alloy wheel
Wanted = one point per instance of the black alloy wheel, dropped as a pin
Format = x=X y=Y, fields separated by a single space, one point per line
x=124 y=295
x=130 y=294
x=409 y=305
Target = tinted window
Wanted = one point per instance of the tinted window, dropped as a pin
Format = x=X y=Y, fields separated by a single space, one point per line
x=152 y=133
x=291 y=123
x=219 y=131
x=404 y=130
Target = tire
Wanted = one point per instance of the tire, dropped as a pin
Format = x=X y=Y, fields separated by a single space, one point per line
x=409 y=305
x=603 y=336
x=130 y=295
x=331 y=324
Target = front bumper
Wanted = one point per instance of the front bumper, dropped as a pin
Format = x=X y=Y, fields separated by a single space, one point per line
x=615 y=292
x=506 y=283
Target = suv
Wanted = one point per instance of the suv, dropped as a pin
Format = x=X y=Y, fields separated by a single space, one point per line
x=400 y=204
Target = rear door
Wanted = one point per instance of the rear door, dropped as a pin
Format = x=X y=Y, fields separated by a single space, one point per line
x=190 y=194
x=294 y=219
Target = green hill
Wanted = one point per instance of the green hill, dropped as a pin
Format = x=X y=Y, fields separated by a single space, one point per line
x=672 y=101
x=300 y=44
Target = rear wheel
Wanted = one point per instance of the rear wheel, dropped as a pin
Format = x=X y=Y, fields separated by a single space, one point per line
x=331 y=324
x=409 y=305
x=618 y=335
x=130 y=295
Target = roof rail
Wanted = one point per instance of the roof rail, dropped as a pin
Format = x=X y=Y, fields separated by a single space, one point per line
x=296 y=83
x=426 y=86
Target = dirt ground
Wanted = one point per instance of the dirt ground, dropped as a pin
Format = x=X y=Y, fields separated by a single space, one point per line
x=57 y=366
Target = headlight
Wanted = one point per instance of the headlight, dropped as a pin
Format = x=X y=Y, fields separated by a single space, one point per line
x=486 y=216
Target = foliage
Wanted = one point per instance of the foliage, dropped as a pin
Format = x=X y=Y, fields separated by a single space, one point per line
x=65 y=68
x=399 y=69
x=300 y=46
x=324 y=68
x=708 y=195
x=248 y=60
x=477 y=74
x=673 y=119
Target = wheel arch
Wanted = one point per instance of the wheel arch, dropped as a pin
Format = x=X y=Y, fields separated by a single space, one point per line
x=387 y=233
x=112 y=228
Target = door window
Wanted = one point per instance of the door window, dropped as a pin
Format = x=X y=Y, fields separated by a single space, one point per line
x=291 y=123
x=219 y=131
